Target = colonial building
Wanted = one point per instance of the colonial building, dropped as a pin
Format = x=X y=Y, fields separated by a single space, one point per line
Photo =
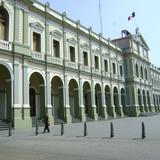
x=50 y=63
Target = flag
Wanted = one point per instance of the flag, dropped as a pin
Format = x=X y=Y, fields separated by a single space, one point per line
x=132 y=16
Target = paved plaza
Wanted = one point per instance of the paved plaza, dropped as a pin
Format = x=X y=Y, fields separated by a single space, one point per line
x=126 y=145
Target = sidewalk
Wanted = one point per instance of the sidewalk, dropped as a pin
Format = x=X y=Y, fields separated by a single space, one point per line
x=127 y=143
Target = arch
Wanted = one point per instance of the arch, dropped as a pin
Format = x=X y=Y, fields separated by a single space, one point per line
x=115 y=98
x=57 y=100
x=98 y=98
x=4 y=24
x=5 y=94
x=74 y=98
x=87 y=98
x=37 y=109
x=41 y=74
x=59 y=76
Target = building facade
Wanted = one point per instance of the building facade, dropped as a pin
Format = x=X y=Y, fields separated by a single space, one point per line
x=50 y=63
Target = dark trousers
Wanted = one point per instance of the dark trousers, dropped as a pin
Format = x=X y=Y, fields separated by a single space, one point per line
x=46 y=128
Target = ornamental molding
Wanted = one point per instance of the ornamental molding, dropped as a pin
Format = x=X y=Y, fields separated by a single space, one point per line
x=72 y=40
x=85 y=46
x=37 y=25
x=56 y=33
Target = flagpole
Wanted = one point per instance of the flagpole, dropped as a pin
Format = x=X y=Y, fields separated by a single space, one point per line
x=100 y=16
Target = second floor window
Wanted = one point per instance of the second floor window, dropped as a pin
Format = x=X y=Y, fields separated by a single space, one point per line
x=141 y=72
x=56 y=48
x=36 y=42
x=72 y=54
x=121 y=71
x=105 y=65
x=96 y=62
x=3 y=24
x=137 y=73
x=146 y=76
x=85 y=58
x=114 y=68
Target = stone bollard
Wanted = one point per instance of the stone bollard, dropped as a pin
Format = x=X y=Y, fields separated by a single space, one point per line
x=36 y=127
x=85 y=129
x=143 y=131
x=112 y=130
x=62 y=129
x=10 y=129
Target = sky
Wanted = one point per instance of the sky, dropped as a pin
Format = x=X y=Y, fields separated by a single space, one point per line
x=115 y=15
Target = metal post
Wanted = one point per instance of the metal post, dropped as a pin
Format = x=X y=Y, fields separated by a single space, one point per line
x=10 y=130
x=85 y=129
x=143 y=131
x=112 y=130
x=62 y=129
x=36 y=126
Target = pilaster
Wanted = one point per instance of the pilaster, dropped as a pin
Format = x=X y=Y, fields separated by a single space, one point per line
x=120 y=110
x=67 y=112
x=111 y=108
x=93 y=108
x=134 y=110
x=104 y=111
x=81 y=103
x=48 y=98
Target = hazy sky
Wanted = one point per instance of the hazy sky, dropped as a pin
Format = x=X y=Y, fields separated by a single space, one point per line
x=115 y=18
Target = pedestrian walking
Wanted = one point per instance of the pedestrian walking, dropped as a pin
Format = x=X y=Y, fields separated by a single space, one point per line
x=46 y=122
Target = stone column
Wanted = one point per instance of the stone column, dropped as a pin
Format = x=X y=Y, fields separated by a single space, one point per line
x=120 y=110
x=134 y=109
x=151 y=107
x=111 y=108
x=142 y=107
x=147 y=105
x=93 y=108
x=66 y=102
x=104 y=111
x=81 y=103
x=27 y=123
x=16 y=96
x=48 y=98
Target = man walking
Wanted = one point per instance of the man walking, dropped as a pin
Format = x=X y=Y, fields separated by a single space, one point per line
x=46 y=122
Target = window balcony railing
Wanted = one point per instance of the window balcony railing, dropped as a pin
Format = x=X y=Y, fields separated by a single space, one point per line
x=96 y=71
x=5 y=45
x=114 y=76
x=121 y=78
x=106 y=74
x=57 y=60
x=71 y=64
x=37 y=55
x=85 y=68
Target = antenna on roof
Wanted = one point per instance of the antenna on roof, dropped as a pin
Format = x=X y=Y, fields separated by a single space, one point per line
x=100 y=15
